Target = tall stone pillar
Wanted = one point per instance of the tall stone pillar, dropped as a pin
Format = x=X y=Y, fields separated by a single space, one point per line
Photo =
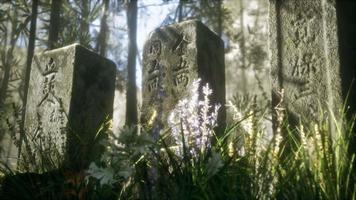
x=70 y=95
x=173 y=57
x=305 y=58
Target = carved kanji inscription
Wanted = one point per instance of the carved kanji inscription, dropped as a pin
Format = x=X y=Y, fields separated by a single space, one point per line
x=170 y=63
x=70 y=93
x=304 y=56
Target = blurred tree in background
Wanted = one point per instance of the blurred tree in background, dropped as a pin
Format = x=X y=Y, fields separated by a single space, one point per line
x=131 y=94
x=15 y=17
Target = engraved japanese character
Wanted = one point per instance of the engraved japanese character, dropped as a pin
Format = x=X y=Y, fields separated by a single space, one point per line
x=180 y=46
x=181 y=78
x=301 y=29
x=50 y=67
x=152 y=83
x=155 y=48
x=39 y=129
x=305 y=89
x=49 y=80
x=183 y=64
x=48 y=87
x=154 y=66
x=305 y=66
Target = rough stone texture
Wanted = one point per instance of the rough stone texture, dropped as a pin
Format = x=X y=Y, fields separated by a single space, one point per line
x=173 y=57
x=70 y=95
x=9 y=151
x=304 y=57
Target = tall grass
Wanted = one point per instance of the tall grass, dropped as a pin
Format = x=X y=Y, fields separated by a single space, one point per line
x=190 y=161
x=293 y=163
x=319 y=166
x=44 y=173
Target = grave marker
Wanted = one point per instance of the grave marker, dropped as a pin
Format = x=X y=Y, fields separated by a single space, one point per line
x=173 y=57
x=70 y=95
x=304 y=57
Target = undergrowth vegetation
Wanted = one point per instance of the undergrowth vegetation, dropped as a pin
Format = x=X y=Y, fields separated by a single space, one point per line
x=190 y=161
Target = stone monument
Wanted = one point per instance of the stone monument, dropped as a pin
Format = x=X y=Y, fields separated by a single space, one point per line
x=173 y=57
x=70 y=95
x=305 y=58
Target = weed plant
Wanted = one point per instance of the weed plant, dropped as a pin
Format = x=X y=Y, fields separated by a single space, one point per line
x=295 y=162
x=201 y=165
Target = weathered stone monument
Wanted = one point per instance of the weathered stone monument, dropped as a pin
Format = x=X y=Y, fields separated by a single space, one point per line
x=305 y=57
x=70 y=95
x=173 y=57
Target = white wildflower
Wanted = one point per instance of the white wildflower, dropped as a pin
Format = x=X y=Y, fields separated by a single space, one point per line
x=247 y=123
x=194 y=120
x=303 y=138
x=231 y=149
x=318 y=142
x=277 y=144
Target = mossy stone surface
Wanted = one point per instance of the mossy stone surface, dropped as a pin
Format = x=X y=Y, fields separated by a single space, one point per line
x=70 y=95
x=304 y=57
x=173 y=57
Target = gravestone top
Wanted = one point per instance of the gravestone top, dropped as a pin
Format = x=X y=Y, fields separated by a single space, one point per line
x=173 y=57
x=70 y=95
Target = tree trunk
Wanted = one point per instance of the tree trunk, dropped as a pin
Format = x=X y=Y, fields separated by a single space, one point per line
x=30 y=52
x=243 y=48
x=8 y=59
x=4 y=83
x=103 y=34
x=54 y=24
x=180 y=10
x=220 y=18
x=131 y=98
x=84 y=23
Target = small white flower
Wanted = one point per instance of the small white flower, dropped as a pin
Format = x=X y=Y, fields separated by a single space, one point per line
x=195 y=119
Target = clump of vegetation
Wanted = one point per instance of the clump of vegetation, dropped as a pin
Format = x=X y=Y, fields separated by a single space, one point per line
x=201 y=165
x=196 y=163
